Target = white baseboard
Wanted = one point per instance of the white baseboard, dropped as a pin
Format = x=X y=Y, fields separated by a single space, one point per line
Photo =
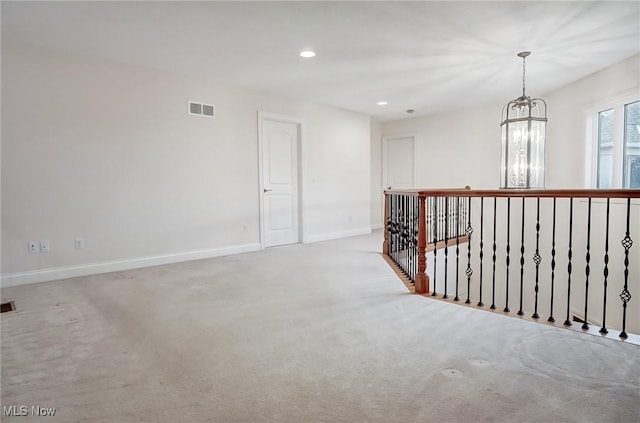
x=376 y=226
x=337 y=235
x=44 y=275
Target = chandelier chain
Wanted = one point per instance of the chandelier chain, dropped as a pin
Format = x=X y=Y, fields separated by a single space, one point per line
x=524 y=59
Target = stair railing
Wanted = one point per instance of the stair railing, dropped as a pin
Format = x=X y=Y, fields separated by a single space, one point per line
x=523 y=251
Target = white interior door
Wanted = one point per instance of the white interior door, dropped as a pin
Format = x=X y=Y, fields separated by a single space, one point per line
x=399 y=161
x=279 y=148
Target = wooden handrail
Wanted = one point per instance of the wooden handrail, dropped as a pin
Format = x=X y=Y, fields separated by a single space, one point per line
x=417 y=192
x=534 y=193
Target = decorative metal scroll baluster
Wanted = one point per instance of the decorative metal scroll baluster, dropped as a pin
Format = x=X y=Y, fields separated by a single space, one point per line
x=603 y=329
x=537 y=259
x=416 y=225
x=416 y=215
x=387 y=224
x=553 y=262
x=493 y=283
x=469 y=271
x=401 y=229
x=567 y=321
x=446 y=248
x=480 y=303
x=506 y=307
x=625 y=296
x=521 y=311
x=405 y=233
x=457 y=298
x=435 y=245
x=585 y=325
x=390 y=230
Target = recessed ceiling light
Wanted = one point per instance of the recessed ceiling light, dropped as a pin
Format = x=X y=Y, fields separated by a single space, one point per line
x=307 y=53
x=382 y=103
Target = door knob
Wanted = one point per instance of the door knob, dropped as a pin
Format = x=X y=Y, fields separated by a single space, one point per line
x=266 y=190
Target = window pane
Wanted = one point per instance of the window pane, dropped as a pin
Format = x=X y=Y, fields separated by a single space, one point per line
x=632 y=145
x=605 y=148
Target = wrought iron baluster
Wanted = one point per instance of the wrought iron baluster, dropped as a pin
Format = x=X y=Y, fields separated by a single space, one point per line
x=553 y=261
x=469 y=271
x=446 y=245
x=435 y=245
x=400 y=224
x=537 y=259
x=407 y=242
x=520 y=311
x=390 y=227
x=457 y=217
x=400 y=228
x=406 y=234
x=567 y=321
x=480 y=303
x=416 y=216
x=625 y=295
x=603 y=329
x=443 y=219
x=416 y=229
x=493 y=283
x=506 y=307
x=585 y=325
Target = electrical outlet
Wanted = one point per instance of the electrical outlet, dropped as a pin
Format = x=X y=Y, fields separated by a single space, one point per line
x=79 y=243
x=33 y=247
x=44 y=246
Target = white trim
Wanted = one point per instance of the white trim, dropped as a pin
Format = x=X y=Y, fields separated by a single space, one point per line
x=337 y=235
x=299 y=122
x=24 y=278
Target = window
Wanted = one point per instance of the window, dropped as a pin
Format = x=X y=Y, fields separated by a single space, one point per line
x=631 y=160
x=616 y=161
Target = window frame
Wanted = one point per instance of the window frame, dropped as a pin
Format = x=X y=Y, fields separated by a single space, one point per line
x=617 y=150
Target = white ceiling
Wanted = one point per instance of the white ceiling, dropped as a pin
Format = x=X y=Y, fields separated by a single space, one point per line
x=429 y=56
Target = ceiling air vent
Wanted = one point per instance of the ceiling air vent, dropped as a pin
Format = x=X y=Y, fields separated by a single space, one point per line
x=202 y=109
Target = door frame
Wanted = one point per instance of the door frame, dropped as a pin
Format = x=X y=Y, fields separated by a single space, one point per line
x=262 y=116
x=385 y=144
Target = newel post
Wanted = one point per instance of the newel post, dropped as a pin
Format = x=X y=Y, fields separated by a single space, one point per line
x=385 y=219
x=422 y=280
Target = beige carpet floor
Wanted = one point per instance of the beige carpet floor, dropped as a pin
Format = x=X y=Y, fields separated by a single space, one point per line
x=323 y=332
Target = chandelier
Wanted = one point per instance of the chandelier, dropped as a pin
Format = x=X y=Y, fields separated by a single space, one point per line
x=524 y=122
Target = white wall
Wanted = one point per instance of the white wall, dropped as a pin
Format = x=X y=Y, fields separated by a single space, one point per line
x=454 y=149
x=107 y=152
x=376 y=174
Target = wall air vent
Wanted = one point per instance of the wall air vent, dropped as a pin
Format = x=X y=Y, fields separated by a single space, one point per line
x=202 y=109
